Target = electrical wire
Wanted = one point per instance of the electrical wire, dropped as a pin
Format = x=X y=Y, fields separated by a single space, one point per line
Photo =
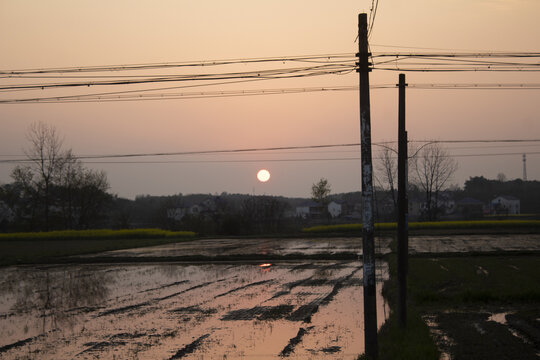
x=147 y=94
x=318 y=70
x=207 y=63
x=281 y=148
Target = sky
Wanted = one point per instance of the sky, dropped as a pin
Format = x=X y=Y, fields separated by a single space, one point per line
x=62 y=33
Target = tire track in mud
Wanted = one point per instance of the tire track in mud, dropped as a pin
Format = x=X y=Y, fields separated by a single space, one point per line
x=153 y=301
x=289 y=348
x=305 y=312
x=19 y=343
x=165 y=286
x=244 y=287
x=120 y=339
x=289 y=287
x=306 y=281
x=189 y=348
x=259 y=313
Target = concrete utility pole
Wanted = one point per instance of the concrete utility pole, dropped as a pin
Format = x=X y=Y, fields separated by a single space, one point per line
x=524 y=167
x=368 y=247
x=403 y=236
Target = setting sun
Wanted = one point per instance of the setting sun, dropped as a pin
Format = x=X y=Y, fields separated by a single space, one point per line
x=263 y=175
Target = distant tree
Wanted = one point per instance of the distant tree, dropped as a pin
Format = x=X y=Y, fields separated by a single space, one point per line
x=501 y=177
x=320 y=192
x=433 y=168
x=45 y=162
x=263 y=213
x=55 y=179
x=386 y=173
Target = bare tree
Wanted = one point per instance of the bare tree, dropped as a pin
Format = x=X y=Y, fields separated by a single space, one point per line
x=386 y=172
x=55 y=177
x=433 y=168
x=46 y=160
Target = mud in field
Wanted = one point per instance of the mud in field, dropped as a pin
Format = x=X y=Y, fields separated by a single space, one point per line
x=178 y=311
x=474 y=243
x=331 y=246
x=487 y=335
x=267 y=246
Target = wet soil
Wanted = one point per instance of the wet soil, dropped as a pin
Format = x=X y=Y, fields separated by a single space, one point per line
x=337 y=248
x=181 y=311
x=476 y=335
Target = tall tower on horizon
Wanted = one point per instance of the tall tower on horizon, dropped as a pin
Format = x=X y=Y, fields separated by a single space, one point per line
x=524 y=167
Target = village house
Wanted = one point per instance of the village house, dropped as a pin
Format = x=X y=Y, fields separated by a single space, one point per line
x=505 y=205
x=334 y=209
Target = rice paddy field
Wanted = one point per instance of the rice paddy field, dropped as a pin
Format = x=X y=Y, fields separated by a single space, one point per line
x=471 y=296
x=292 y=310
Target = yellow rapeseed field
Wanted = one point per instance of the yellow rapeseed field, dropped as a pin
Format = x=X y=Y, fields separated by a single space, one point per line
x=98 y=234
x=470 y=224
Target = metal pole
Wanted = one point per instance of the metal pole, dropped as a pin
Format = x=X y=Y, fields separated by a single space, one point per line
x=368 y=247
x=403 y=236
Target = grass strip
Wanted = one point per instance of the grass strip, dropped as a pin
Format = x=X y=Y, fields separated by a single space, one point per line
x=474 y=280
x=410 y=343
x=533 y=225
x=448 y=285
x=58 y=251
x=98 y=234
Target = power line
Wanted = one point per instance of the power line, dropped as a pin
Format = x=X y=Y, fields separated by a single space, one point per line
x=318 y=70
x=147 y=94
x=281 y=148
x=180 y=64
x=289 y=160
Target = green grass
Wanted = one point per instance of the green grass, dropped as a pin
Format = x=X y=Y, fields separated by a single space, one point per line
x=46 y=247
x=431 y=225
x=410 y=343
x=442 y=284
x=98 y=234
x=475 y=279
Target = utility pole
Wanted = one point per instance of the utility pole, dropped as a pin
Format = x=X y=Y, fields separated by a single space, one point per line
x=524 y=167
x=403 y=236
x=368 y=247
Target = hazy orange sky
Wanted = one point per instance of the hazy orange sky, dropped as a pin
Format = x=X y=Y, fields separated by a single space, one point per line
x=56 y=33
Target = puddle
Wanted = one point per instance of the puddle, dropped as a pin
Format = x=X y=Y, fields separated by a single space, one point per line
x=339 y=246
x=476 y=243
x=174 y=311
x=483 y=335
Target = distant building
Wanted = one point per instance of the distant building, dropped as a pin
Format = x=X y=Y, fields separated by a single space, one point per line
x=505 y=205
x=470 y=208
x=334 y=209
x=309 y=210
x=6 y=214
x=176 y=213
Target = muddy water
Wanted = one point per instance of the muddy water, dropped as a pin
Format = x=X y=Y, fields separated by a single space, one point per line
x=316 y=246
x=173 y=311
x=267 y=246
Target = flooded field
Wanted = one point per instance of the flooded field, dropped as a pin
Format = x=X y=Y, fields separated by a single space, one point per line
x=333 y=246
x=172 y=311
x=165 y=310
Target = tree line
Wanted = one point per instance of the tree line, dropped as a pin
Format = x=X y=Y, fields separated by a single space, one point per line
x=52 y=189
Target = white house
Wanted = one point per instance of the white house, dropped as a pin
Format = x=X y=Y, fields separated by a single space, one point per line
x=176 y=213
x=6 y=214
x=307 y=210
x=334 y=209
x=505 y=205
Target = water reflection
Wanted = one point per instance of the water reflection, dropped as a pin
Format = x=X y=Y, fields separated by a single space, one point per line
x=57 y=294
x=171 y=310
